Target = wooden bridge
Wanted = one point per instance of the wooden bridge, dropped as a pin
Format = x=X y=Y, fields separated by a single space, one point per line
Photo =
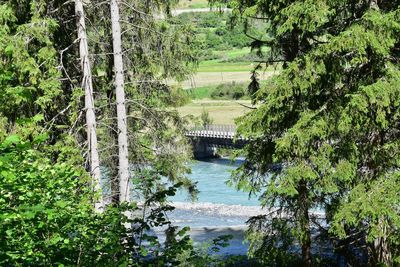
x=206 y=139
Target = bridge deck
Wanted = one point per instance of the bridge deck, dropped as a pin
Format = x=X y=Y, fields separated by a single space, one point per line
x=215 y=131
x=211 y=134
x=206 y=139
x=218 y=135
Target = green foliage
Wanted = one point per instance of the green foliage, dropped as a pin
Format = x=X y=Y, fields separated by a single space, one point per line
x=229 y=91
x=205 y=118
x=213 y=32
x=331 y=119
x=200 y=92
x=46 y=213
x=41 y=206
x=47 y=216
x=274 y=244
x=155 y=51
x=208 y=254
x=29 y=78
x=179 y=97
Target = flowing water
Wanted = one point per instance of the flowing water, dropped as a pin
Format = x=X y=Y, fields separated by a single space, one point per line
x=222 y=210
x=211 y=176
x=218 y=205
x=219 y=209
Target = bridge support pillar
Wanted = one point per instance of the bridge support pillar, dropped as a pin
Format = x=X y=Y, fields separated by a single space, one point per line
x=201 y=150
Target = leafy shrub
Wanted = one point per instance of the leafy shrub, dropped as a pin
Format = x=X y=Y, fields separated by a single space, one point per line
x=229 y=91
x=205 y=118
x=41 y=209
x=244 y=58
x=47 y=216
x=202 y=19
x=218 y=34
x=221 y=31
x=236 y=38
x=209 y=55
x=216 y=42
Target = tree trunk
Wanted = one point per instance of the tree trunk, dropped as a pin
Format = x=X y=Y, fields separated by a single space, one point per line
x=381 y=254
x=305 y=226
x=121 y=109
x=87 y=85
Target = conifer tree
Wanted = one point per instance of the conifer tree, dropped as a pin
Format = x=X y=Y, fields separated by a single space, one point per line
x=331 y=119
x=45 y=202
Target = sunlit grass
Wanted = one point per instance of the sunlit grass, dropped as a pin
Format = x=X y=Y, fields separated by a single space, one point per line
x=221 y=112
x=221 y=64
x=218 y=66
x=201 y=92
x=233 y=52
x=184 y=4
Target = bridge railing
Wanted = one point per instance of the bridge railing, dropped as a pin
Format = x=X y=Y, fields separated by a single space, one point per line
x=215 y=127
x=215 y=131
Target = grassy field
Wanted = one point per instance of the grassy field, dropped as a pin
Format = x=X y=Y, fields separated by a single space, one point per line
x=232 y=53
x=221 y=111
x=201 y=92
x=206 y=91
x=236 y=52
x=205 y=79
x=184 y=4
x=218 y=71
x=218 y=66
x=225 y=61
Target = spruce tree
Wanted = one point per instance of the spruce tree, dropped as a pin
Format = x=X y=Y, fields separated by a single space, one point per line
x=331 y=120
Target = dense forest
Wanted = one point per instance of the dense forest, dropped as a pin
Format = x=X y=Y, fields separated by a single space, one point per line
x=92 y=144
x=213 y=32
x=86 y=126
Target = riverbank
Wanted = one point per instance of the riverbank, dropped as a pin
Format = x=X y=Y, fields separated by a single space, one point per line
x=237 y=243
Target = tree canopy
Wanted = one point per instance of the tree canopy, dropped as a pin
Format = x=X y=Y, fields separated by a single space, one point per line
x=324 y=151
x=47 y=215
x=330 y=118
